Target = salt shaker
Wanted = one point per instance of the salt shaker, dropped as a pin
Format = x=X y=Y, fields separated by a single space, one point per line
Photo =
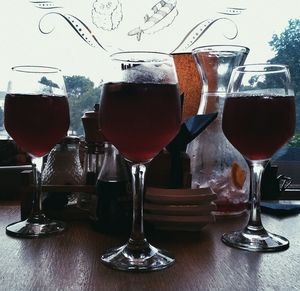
x=63 y=168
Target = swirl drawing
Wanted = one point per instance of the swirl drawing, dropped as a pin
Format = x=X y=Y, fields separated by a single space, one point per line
x=198 y=30
x=232 y=11
x=81 y=29
x=162 y=14
x=107 y=14
x=45 y=4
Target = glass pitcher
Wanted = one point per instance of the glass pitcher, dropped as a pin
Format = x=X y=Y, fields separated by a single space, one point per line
x=215 y=163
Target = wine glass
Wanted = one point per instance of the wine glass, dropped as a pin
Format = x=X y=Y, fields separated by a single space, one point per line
x=140 y=114
x=36 y=116
x=258 y=118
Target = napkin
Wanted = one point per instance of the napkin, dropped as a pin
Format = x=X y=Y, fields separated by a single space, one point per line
x=280 y=207
x=189 y=130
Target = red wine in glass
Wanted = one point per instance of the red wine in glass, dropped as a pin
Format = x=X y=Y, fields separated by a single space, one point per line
x=36 y=115
x=259 y=125
x=258 y=118
x=140 y=119
x=139 y=114
x=36 y=122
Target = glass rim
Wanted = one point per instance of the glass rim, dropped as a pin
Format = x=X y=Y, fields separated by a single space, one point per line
x=180 y=53
x=220 y=47
x=164 y=56
x=261 y=68
x=36 y=69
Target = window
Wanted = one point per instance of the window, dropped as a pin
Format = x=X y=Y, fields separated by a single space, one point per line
x=79 y=36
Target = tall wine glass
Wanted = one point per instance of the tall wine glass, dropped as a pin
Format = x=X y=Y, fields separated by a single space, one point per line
x=140 y=114
x=258 y=118
x=36 y=116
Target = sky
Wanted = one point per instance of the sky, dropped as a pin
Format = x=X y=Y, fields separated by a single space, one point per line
x=22 y=42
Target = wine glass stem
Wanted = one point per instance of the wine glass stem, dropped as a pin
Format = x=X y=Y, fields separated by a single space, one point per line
x=256 y=170
x=137 y=239
x=37 y=200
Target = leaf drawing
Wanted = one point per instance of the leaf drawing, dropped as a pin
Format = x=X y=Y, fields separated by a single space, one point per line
x=162 y=15
x=198 y=30
x=79 y=26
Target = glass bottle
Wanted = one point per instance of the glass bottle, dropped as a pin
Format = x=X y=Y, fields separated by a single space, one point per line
x=92 y=163
x=114 y=198
x=63 y=167
x=93 y=155
x=215 y=163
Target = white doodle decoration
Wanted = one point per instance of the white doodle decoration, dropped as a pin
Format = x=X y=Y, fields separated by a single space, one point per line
x=162 y=14
x=198 y=30
x=107 y=14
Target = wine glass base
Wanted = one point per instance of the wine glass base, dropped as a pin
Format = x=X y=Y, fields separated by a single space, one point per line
x=257 y=242
x=127 y=259
x=32 y=228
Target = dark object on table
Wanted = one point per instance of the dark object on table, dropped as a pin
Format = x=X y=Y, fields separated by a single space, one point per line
x=11 y=181
x=280 y=207
x=12 y=162
x=56 y=201
x=159 y=171
x=11 y=154
x=272 y=184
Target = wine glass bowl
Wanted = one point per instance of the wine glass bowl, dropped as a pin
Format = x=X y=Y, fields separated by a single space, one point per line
x=36 y=116
x=153 y=121
x=258 y=118
x=140 y=113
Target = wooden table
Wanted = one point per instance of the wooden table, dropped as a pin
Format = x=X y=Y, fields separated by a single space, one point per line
x=70 y=261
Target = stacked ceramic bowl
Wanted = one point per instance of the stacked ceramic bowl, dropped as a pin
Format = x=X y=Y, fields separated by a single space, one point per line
x=179 y=209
